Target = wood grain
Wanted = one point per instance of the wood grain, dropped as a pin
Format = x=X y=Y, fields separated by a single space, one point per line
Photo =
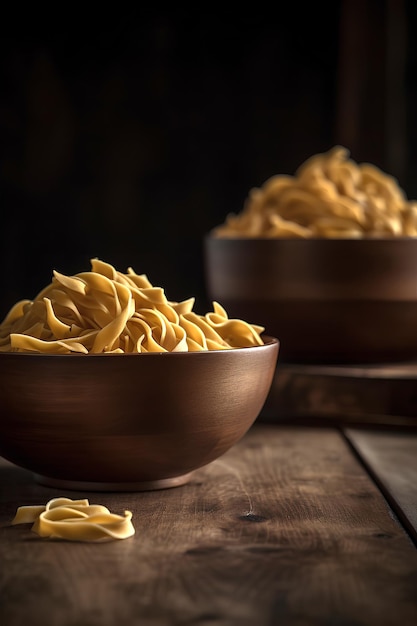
x=285 y=528
x=392 y=459
x=380 y=394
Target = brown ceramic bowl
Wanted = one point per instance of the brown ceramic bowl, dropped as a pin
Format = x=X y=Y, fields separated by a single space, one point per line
x=128 y=421
x=327 y=300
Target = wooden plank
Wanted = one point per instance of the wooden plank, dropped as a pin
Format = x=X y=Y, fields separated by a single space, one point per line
x=381 y=395
x=286 y=528
x=371 y=90
x=392 y=459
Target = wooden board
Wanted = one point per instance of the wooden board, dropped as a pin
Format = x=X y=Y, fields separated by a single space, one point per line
x=392 y=460
x=286 y=528
x=382 y=395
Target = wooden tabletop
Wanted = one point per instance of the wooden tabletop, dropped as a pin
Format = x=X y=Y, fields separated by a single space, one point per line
x=295 y=525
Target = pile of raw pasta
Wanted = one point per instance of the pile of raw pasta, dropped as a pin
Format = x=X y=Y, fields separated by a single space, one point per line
x=104 y=310
x=330 y=196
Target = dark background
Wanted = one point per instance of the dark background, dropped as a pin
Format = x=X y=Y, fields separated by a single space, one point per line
x=129 y=134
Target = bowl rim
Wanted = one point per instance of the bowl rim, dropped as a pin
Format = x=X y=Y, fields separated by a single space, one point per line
x=210 y=236
x=269 y=341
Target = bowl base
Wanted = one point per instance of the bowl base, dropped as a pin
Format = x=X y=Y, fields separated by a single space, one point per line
x=81 y=485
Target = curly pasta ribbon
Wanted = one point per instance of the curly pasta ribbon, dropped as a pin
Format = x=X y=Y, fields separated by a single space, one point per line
x=107 y=311
x=75 y=520
x=329 y=196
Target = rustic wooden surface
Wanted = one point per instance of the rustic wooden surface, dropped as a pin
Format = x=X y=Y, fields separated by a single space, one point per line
x=286 y=528
x=391 y=457
x=379 y=394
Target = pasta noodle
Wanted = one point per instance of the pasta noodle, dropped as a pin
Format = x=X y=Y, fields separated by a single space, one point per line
x=329 y=196
x=107 y=311
x=75 y=520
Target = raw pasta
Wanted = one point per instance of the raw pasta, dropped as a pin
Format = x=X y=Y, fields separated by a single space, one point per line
x=329 y=196
x=105 y=310
x=75 y=520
